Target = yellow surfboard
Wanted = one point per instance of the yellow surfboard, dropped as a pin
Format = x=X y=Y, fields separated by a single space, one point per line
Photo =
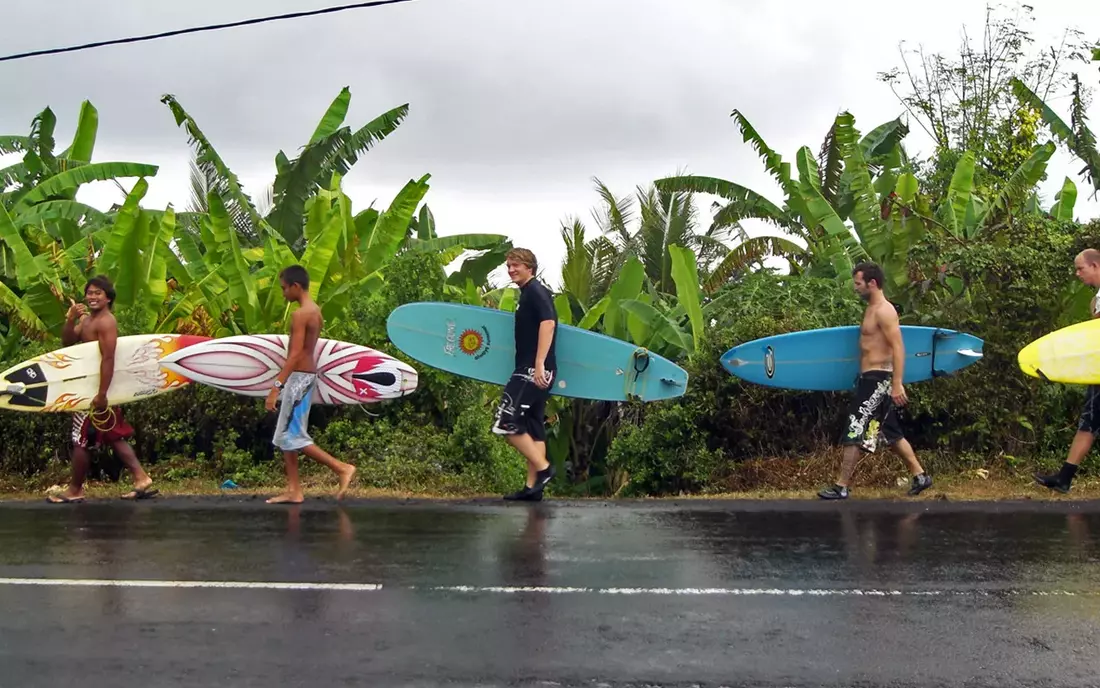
x=1071 y=355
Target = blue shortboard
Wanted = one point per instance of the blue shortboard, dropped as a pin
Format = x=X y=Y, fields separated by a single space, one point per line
x=828 y=359
x=479 y=343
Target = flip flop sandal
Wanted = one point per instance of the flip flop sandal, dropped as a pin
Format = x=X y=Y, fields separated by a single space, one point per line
x=62 y=499
x=147 y=493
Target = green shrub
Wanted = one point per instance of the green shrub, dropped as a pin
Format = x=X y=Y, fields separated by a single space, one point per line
x=486 y=461
x=666 y=454
x=1018 y=281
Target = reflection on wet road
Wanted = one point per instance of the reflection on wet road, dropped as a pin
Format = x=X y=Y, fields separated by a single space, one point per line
x=482 y=594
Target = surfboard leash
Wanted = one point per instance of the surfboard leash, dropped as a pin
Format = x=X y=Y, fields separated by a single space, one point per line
x=935 y=336
x=641 y=354
x=101 y=425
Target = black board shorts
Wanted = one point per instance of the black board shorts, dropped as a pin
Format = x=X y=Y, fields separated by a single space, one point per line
x=522 y=408
x=1090 y=414
x=871 y=412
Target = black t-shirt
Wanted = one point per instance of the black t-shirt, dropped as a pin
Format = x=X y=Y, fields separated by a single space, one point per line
x=535 y=306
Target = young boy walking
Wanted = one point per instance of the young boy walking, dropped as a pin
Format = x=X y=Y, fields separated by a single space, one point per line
x=296 y=382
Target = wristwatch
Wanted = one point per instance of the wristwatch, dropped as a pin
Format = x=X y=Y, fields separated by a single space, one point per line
x=278 y=385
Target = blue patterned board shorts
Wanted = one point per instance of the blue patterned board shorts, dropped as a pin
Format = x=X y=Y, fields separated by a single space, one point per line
x=296 y=399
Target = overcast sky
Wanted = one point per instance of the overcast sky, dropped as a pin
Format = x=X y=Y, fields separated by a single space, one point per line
x=514 y=104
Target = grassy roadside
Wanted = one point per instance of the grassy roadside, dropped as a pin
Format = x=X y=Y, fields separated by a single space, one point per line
x=958 y=488
x=878 y=477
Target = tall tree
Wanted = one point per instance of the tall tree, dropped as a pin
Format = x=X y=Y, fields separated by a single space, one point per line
x=966 y=102
x=1076 y=136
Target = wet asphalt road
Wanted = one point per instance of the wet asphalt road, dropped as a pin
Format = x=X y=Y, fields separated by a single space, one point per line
x=482 y=594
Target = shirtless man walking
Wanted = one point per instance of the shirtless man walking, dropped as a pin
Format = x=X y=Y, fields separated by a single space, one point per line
x=96 y=323
x=1087 y=264
x=297 y=380
x=879 y=388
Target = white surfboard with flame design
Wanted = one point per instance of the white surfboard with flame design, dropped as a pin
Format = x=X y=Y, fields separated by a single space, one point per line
x=66 y=380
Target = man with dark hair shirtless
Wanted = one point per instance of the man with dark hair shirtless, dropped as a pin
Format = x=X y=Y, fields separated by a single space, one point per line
x=879 y=388
x=102 y=425
x=1087 y=264
x=296 y=381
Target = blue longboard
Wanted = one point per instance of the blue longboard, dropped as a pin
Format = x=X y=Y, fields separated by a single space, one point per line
x=828 y=359
x=479 y=343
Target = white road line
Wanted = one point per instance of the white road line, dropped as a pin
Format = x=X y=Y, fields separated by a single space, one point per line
x=256 y=585
x=551 y=590
x=760 y=592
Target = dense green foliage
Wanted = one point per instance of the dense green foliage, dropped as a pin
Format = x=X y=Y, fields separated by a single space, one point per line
x=966 y=241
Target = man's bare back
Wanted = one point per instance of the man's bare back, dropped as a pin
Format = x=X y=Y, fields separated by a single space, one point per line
x=305 y=327
x=297 y=380
x=875 y=350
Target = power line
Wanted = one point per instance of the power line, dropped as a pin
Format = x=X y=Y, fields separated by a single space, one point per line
x=197 y=29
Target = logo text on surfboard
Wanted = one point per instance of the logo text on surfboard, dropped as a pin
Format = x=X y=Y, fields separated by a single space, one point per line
x=449 y=345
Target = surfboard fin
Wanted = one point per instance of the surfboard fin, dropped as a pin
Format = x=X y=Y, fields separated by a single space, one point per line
x=970 y=353
x=670 y=381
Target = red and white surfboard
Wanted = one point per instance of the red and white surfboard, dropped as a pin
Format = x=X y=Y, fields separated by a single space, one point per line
x=247 y=364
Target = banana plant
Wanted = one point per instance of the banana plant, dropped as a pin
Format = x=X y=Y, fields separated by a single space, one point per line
x=845 y=182
x=13 y=304
x=48 y=240
x=588 y=269
x=965 y=215
x=44 y=176
x=49 y=269
x=344 y=253
x=1064 y=201
x=39 y=192
x=332 y=150
x=1075 y=136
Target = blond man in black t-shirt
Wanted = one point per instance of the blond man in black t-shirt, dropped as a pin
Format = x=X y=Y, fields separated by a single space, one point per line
x=521 y=415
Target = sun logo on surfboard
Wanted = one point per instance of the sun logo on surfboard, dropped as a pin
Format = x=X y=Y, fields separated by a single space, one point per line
x=470 y=342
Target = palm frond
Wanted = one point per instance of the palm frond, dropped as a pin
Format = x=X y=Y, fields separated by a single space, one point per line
x=831 y=164
x=1077 y=137
x=14 y=144
x=616 y=215
x=744 y=256
x=355 y=144
x=220 y=179
x=773 y=162
x=1015 y=192
x=1086 y=141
